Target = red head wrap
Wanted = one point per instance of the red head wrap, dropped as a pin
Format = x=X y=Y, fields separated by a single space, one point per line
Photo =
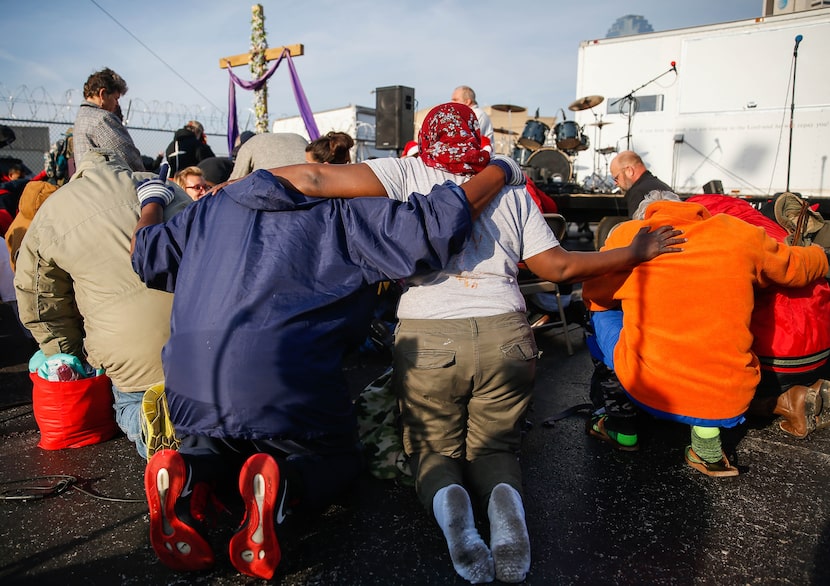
x=450 y=140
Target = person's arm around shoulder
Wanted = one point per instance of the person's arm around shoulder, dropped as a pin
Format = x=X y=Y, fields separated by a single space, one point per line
x=487 y=184
x=153 y=195
x=420 y=234
x=482 y=187
x=563 y=266
x=321 y=180
x=348 y=181
x=158 y=246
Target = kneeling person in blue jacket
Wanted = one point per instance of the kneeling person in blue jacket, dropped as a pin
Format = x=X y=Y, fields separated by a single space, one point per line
x=271 y=288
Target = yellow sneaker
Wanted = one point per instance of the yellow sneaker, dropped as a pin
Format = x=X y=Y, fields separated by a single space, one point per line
x=159 y=433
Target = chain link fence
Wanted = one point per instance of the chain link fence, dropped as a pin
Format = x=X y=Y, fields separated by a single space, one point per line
x=38 y=121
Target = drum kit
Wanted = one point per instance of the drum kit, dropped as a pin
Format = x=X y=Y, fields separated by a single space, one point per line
x=547 y=155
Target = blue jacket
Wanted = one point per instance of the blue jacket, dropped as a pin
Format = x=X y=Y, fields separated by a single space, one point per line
x=271 y=287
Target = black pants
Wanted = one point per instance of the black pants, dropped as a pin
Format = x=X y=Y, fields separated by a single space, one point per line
x=317 y=471
x=607 y=392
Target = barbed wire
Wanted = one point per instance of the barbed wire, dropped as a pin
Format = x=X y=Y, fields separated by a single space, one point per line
x=26 y=103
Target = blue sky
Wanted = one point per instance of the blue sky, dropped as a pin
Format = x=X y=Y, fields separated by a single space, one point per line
x=522 y=53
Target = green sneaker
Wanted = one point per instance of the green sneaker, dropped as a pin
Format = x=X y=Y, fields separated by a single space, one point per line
x=622 y=441
x=158 y=430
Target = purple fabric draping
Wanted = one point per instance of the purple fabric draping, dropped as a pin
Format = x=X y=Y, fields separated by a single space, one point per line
x=299 y=95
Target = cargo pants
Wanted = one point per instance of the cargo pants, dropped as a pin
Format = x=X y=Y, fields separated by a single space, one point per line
x=464 y=387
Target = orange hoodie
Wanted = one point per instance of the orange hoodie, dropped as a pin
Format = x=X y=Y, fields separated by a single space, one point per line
x=685 y=346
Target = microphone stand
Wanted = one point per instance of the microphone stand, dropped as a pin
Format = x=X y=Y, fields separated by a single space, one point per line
x=631 y=100
x=792 y=111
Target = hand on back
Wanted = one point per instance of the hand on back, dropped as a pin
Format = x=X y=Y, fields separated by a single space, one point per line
x=649 y=244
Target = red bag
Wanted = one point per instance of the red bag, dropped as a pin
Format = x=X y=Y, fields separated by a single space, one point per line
x=74 y=413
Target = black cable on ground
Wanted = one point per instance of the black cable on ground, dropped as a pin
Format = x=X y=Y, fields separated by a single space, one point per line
x=61 y=483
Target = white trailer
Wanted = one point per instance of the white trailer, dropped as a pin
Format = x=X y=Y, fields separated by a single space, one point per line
x=724 y=114
x=356 y=121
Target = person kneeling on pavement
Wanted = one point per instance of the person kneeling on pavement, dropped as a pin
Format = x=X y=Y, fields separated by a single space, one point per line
x=271 y=289
x=78 y=295
x=674 y=332
x=790 y=325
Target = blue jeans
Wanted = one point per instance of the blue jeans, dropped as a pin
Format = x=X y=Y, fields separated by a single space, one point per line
x=607 y=328
x=128 y=417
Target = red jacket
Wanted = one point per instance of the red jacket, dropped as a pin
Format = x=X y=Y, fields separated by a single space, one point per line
x=543 y=200
x=791 y=326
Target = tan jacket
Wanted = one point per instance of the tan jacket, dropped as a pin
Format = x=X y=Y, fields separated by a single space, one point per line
x=76 y=289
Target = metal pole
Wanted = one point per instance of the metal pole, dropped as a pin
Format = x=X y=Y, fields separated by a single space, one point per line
x=792 y=110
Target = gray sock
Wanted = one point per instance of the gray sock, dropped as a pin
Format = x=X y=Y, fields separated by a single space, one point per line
x=470 y=556
x=509 y=540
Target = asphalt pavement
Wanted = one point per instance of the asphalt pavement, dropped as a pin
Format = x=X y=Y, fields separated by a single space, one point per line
x=595 y=515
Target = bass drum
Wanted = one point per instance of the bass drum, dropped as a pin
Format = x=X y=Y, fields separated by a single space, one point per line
x=547 y=164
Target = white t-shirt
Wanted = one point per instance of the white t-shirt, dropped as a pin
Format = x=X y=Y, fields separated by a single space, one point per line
x=485 y=124
x=480 y=280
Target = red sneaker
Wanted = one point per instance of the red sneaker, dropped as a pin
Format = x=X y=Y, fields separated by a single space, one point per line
x=254 y=548
x=175 y=539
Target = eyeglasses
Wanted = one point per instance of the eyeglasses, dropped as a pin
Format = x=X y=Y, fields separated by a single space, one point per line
x=198 y=187
x=617 y=176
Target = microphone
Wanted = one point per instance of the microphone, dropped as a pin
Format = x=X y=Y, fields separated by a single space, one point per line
x=798 y=39
x=674 y=66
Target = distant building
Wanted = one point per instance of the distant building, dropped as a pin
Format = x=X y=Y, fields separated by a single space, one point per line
x=630 y=24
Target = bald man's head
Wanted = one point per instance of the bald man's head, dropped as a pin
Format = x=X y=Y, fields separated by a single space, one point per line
x=626 y=168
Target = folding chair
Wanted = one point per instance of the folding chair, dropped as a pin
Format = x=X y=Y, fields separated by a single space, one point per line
x=533 y=284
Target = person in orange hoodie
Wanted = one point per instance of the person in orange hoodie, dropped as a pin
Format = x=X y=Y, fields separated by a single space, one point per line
x=675 y=330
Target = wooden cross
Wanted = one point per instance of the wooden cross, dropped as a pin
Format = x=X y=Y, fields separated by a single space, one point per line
x=258 y=57
x=270 y=55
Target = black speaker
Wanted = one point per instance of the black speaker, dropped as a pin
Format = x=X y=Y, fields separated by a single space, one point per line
x=714 y=186
x=394 y=116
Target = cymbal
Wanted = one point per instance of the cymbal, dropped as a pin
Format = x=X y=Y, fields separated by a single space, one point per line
x=585 y=103
x=504 y=131
x=508 y=108
x=601 y=123
x=607 y=150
